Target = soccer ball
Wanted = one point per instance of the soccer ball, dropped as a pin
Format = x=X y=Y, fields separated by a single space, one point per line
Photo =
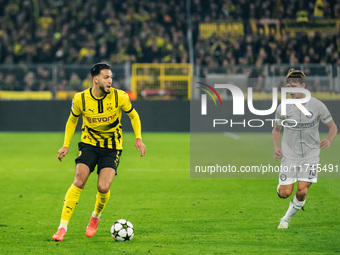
x=122 y=230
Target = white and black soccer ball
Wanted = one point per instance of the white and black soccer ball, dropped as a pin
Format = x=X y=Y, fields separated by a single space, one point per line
x=122 y=230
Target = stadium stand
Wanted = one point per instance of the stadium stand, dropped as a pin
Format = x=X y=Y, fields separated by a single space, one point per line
x=125 y=32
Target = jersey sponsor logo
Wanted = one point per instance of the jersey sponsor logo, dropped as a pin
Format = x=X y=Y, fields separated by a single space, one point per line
x=288 y=123
x=101 y=120
x=305 y=125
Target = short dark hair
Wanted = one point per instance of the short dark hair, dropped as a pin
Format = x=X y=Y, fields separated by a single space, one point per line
x=95 y=70
x=295 y=76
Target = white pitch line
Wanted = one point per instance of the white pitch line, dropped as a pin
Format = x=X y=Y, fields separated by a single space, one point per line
x=232 y=135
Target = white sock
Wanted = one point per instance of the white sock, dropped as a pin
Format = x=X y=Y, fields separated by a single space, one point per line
x=294 y=206
x=63 y=226
x=94 y=215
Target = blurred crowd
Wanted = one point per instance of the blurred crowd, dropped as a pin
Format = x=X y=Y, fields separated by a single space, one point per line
x=130 y=31
x=256 y=50
x=87 y=31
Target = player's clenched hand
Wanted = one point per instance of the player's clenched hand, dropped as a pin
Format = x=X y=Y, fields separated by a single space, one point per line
x=325 y=143
x=140 y=146
x=278 y=154
x=62 y=153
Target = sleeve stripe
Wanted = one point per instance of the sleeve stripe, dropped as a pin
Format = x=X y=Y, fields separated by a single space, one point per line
x=116 y=98
x=75 y=115
x=83 y=100
x=130 y=109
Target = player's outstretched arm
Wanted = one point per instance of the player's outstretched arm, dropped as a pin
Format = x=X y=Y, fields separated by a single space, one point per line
x=69 y=131
x=136 y=125
x=332 y=131
x=276 y=136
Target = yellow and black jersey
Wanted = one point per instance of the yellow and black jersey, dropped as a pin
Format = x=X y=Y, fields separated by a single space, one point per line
x=101 y=118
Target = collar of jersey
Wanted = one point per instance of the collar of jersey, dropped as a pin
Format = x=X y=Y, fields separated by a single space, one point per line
x=98 y=99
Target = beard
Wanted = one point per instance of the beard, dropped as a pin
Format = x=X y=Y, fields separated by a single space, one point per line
x=102 y=88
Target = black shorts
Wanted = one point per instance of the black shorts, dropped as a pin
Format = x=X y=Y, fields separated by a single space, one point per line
x=92 y=156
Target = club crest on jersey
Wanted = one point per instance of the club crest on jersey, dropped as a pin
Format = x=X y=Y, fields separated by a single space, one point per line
x=109 y=107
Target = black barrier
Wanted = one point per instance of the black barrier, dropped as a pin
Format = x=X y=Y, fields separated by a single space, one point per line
x=156 y=116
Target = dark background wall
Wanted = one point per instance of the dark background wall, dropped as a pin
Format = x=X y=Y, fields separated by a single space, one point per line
x=171 y=116
x=156 y=116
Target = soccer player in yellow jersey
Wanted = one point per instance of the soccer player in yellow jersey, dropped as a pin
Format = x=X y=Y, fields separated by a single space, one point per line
x=101 y=142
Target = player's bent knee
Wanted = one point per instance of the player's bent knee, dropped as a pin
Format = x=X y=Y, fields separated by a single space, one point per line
x=285 y=192
x=284 y=195
x=301 y=194
x=79 y=183
x=104 y=188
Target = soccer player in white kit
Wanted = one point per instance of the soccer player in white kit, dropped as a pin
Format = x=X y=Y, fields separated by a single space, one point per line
x=300 y=146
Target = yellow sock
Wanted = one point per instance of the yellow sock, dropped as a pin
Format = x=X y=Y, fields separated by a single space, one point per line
x=101 y=200
x=70 y=202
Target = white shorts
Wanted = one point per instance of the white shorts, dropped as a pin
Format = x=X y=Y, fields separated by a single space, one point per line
x=293 y=170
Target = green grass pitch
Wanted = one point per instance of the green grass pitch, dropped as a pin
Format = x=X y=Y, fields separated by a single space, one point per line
x=171 y=212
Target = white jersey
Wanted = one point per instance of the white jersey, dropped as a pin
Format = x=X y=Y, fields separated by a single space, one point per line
x=301 y=133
